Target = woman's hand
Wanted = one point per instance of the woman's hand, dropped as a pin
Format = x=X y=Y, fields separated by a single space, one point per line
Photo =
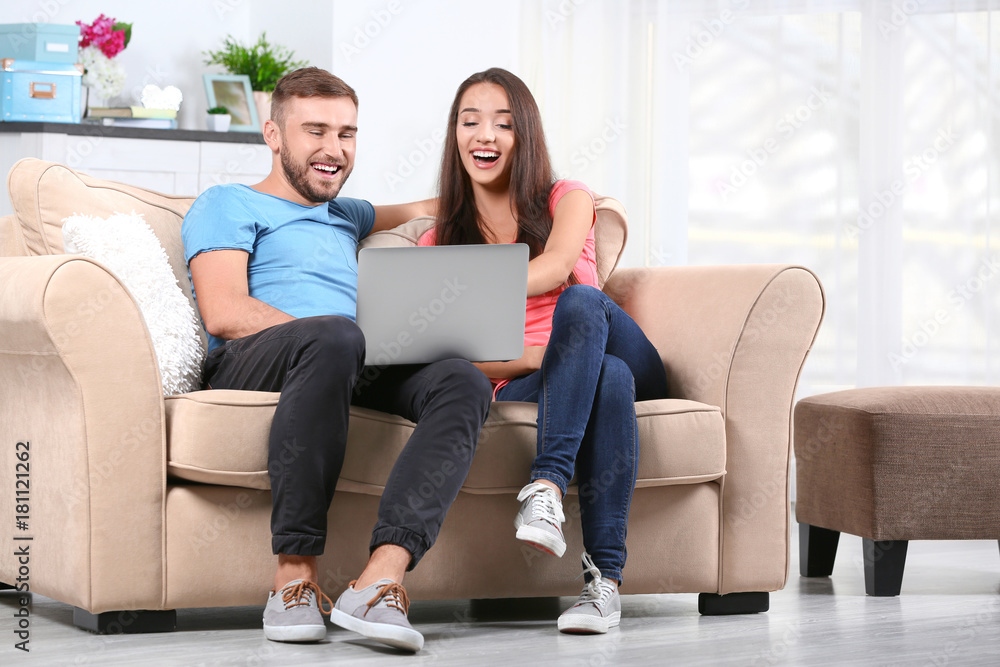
x=529 y=362
x=532 y=357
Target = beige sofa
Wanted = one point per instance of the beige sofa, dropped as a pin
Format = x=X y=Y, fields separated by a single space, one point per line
x=143 y=503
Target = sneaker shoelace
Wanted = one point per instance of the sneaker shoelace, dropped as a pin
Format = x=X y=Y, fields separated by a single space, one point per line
x=598 y=590
x=394 y=595
x=544 y=504
x=300 y=594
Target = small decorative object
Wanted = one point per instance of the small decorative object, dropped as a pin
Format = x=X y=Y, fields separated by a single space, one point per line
x=264 y=63
x=218 y=119
x=233 y=92
x=168 y=98
x=100 y=42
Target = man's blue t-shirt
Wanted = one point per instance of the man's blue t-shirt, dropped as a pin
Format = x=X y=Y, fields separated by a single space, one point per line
x=303 y=259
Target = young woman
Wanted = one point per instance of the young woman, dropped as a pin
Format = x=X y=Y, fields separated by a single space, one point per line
x=585 y=361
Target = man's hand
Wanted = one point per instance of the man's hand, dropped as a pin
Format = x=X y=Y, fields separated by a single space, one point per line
x=393 y=215
x=227 y=309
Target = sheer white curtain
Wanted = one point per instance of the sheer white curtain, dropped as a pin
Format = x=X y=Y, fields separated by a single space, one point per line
x=854 y=137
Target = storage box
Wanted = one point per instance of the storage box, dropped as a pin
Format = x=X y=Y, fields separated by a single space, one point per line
x=39 y=91
x=45 y=42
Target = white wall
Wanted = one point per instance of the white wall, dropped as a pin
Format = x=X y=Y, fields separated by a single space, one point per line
x=405 y=58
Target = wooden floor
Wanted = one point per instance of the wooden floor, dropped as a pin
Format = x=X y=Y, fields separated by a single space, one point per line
x=948 y=614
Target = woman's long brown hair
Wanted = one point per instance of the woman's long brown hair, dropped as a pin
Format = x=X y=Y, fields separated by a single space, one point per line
x=531 y=179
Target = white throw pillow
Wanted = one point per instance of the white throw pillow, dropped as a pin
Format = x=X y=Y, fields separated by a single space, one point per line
x=126 y=245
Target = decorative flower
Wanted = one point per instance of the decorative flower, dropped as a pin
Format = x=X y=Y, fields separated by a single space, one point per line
x=108 y=34
x=104 y=75
x=114 y=44
x=101 y=41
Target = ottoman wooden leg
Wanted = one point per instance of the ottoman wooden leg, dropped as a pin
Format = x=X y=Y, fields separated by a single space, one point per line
x=817 y=550
x=884 y=561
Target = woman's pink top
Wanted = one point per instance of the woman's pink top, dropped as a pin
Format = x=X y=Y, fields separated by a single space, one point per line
x=539 y=309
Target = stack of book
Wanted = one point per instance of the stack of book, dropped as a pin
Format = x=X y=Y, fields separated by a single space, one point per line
x=163 y=119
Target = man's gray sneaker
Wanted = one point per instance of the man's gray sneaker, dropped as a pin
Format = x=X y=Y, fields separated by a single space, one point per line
x=539 y=521
x=378 y=612
x=293 y=614
x=598 y=608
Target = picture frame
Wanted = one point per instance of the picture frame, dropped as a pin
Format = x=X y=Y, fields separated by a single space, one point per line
x=233 y=92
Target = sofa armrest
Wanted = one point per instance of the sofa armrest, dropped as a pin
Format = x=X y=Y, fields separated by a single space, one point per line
x=736 y=337
x=10 y=241
x=80 y=383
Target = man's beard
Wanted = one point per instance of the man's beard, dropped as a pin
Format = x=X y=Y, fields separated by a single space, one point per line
x=298 y=176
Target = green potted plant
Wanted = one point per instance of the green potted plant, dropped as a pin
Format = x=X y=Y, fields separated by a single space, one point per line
x=218 y=119
x=263 y=62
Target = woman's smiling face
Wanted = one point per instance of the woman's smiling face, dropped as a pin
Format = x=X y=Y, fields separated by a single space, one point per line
x=485 y=135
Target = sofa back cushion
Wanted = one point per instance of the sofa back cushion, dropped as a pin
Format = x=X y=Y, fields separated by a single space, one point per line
x=610 y=233
x=45 y=193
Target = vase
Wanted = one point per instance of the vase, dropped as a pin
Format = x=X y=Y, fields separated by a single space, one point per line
x=218 y=122
x=262 y=101
x=89 y=99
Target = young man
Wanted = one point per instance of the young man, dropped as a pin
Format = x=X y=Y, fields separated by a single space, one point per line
x=274 y=272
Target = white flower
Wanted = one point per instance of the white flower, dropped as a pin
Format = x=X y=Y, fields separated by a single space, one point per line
x=104 y=75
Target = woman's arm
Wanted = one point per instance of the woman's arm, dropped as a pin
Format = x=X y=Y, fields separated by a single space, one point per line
x=573 y=218
x=393 y=215
x=529 y=362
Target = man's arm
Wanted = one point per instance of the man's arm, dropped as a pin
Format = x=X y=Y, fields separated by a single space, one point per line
x=227 y=309
x=387 y=217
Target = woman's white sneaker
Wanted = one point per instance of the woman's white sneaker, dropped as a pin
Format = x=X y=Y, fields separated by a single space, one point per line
x=539 y=521
x=598 y=608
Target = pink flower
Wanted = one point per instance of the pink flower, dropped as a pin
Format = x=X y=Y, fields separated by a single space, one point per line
x=113 y=44
x=102 y=33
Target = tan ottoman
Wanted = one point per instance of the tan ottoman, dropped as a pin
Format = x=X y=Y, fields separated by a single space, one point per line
x=893 y=464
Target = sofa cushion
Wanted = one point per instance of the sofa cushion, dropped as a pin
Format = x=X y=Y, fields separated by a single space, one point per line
x=610 y=232
x=126 y=245
x=220 y=437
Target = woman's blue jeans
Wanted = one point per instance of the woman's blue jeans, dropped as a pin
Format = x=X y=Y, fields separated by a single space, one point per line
x=597 y=364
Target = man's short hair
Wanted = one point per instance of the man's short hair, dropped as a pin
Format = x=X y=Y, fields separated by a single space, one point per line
x=306 y=82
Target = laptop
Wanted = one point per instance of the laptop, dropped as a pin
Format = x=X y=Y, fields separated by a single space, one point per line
x=417 y=305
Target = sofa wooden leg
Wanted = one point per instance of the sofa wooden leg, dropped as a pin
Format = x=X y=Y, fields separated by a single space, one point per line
x=125 y=622
x=5 y=587
x=817 y=550
x=884 y=562
x=496 y=609
x=713 y=604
